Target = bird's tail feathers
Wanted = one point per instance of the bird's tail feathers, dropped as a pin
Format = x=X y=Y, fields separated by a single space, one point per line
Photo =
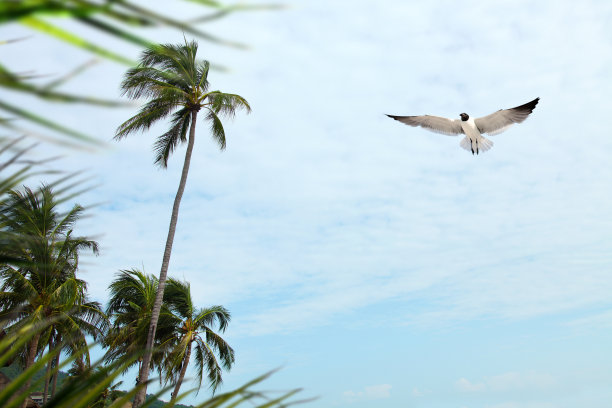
x=482 y=145
x=466 y=144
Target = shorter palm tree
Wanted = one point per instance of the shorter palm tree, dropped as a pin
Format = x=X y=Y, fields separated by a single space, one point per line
x=70 y=324
x=129 y=308
x=195 y=328
x=39 y=273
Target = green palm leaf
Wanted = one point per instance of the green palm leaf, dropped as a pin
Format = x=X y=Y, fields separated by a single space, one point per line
x=73 y=39
x=39 y=120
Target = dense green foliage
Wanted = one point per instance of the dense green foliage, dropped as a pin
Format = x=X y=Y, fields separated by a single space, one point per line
x=14 y=370
x=86 y=389
x=195 y=328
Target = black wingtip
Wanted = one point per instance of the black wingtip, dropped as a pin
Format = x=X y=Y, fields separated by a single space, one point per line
x=529 y=106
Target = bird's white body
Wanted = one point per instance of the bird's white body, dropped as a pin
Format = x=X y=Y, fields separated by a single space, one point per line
x=474 y=141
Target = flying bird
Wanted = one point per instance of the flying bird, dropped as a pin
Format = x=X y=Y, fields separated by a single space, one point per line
x=473 y=129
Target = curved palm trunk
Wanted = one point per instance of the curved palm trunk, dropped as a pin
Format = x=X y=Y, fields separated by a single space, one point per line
x=55 y=364
x=143 y=376
x=47 y=375
x=177 y=387
x=32 y=350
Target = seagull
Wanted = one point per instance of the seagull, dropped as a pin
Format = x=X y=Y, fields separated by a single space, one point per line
x=473 y=129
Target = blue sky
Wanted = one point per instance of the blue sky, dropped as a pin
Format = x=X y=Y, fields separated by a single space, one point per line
x=379 y=264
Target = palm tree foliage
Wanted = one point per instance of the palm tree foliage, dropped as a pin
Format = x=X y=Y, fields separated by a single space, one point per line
x=132 y=295
x=196 y=327
x=175 y=83
x=41 y=275
x=39 y=282
x=75 y=322
x=15 y=167
x=181 y=327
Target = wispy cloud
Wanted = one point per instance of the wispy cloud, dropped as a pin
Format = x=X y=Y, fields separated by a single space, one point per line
x=594 y=321
x=372 y=392
x=509 y=382
x=321 y=205
x=524 y=405
x=465 y=385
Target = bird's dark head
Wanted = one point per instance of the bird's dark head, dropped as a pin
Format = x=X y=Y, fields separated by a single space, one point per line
x=464 y=116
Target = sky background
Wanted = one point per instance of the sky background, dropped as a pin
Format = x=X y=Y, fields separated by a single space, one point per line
x=378 y=264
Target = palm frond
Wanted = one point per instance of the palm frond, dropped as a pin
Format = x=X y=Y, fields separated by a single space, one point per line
x=206 y=363
x=209 y=315
x=166 y=143
x=202 y=75
x=47 y=123
x=67 y=36
x=178 y=296
x=151 y=82
x=164 y=20
x=223 y=349
x=227 y=104
x=143 y=120
x=17 y=83
x=216 y=128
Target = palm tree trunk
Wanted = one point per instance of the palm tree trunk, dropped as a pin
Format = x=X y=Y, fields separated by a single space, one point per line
x=47 y=376
x=143 y=376
x=32 y=350
x=177 y=387
x=56 y=364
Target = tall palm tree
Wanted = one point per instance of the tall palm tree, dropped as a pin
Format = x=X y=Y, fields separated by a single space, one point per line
x=40 y=279
x=176 y=84
x=196 y=328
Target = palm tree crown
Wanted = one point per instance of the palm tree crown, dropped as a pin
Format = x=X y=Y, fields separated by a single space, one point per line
x=42 y=275
x=176 y=83
x=132 y=295
x=196 y=327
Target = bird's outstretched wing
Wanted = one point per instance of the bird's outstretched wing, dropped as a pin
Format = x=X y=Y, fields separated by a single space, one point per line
x=501 y=120
x=434 y=123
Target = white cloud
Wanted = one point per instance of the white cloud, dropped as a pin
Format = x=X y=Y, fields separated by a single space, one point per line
x=378 y=391
x=509 y=382
x=514 y=381
x=465 y=385
x=524 y=405
x=595 y=321
x=381 y=391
